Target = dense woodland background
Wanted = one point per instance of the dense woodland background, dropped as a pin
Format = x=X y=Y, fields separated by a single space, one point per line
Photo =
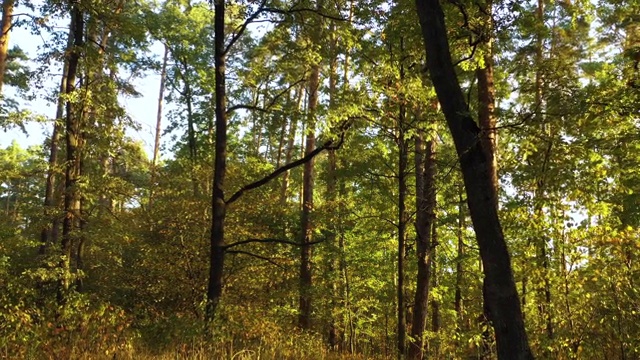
x=306 y=147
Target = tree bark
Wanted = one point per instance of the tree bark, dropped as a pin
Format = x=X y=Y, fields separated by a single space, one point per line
x=216 y=259
x=304 y=319
x=72 y=171
x=501 y=296
x=7 y=17
x=425 y=164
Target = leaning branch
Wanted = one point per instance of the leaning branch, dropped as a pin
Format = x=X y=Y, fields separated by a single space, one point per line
x=269 y=106
x=277 y=241
x=255 y=256
x=329 y=145
x=294 y=10
x=243 y=27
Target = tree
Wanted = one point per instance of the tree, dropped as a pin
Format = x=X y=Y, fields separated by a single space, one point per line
x=501 y=297
x=5 y=27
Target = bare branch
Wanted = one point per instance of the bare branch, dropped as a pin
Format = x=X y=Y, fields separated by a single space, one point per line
x=268 y=240
x=269 y=106
x=470 y=56
x=244 y=25
x=329 y=145
x=255 y=256
x=294 y=10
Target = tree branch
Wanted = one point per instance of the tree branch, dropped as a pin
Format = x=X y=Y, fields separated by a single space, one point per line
x=255 y=256
x=244 y=25
x=271 y=103
x=328 y=145
x=293 y=10
x=269 y=240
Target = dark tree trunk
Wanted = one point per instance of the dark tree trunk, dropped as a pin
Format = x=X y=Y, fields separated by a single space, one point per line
x=425 y=163
x=304 y=319
x=216 y=260
x=487 y=122
x=501 y=295
x=72 y=171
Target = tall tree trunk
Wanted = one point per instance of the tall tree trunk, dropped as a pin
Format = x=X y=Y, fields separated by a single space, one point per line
x=403 y=159
x=216 y=260
x=332 y=184
x=487 y=122
x=7 y=17
x=501 y=296
x=435 y=303
x=156 y=144
x=458 y=300
x=291 y=143
x=72 y=172
x=425 y=164
x=544 y=305
x=304 y=319
x=49 y=232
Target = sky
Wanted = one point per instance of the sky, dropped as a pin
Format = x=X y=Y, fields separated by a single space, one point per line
x=143 y=110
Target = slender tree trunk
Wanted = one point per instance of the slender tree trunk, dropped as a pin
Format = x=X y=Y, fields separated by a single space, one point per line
x=72 y=172
x=425 y=164
x=458 y=300
x=332 y=184
x=283 y=132
x=544 y=305
x=156 y=144
x=435 y=303
x=403 y=158
x=216 y=260
x=304 y=319
x=7 y=17
x=49 y=233
x=291 y=143
x=501 y=295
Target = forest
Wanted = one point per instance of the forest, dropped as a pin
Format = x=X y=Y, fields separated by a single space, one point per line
x=328 y=179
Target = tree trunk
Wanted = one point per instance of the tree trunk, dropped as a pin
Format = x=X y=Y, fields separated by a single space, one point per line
x=216 y=260
x=156 y=144
x=49 y=233
x=291 y=143
x=544 y=305
x=7 y=23
x=332 y=185
x=501 y=295
x=72 y=171
x=403 y=159
x=304 y=319
x=458 y=300
x=435 y=303
x=425 y=214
